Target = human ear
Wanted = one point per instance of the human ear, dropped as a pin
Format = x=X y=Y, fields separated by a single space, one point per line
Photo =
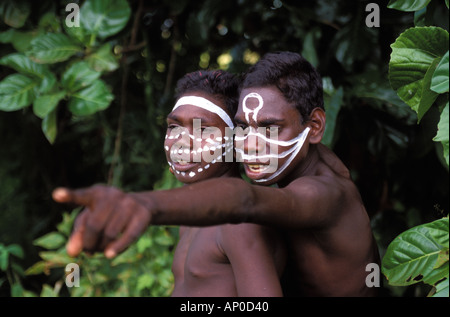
x=317 y=124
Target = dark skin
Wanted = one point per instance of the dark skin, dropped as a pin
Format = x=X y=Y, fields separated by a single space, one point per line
x=227 y=260
x=316 y=204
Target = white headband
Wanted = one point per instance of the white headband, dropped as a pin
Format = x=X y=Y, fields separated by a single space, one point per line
x=205 y=104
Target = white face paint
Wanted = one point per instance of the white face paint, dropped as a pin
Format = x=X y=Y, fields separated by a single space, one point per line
x=180 y=152
x=255 y=111
x=294 y=144
x=204 y=104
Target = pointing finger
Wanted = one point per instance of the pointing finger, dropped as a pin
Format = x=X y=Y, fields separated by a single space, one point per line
x=135 y=228
x=78 y=196
x=75 y=244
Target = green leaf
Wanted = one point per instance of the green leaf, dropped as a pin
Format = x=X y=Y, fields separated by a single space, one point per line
x=104 y=17
x=23 y=64
x=16 y=92
x=353 y=43
x=15 y=250
x=4 y=257
x=145 y=281
x=103 y=59
x=36 y=268
x=427 y=96
x=44 y=104
x=333 y=101
x=65 y=226
x=47 y=291
x=443 y=132
x=50 y=126
x=408 y=5
x=20 y=40
x=55 y=259
x=52 y=48
x=440 y=80
x=91 y=99
x=15 y=13
x=412 y=55
x=411 y=257
x=52 y=240
x=78 y=76
x=442 y=289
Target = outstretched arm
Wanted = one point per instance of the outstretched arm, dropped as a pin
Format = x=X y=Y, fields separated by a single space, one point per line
x=112 y=212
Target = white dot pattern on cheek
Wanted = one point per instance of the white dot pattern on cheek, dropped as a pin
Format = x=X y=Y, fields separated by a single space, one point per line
x=215 y=145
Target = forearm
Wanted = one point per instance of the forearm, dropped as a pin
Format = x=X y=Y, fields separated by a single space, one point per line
x=211 y=202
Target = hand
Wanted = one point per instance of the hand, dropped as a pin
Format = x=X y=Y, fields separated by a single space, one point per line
x=109 y=212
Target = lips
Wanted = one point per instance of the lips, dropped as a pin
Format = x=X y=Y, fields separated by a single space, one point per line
x=183 y=166
x=256 y=170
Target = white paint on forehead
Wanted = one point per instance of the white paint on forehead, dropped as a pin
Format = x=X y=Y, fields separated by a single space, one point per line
x=206 y=105
x=255 y=111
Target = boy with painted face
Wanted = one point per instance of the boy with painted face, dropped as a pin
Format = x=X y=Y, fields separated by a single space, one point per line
x=316 y=204
x=226 y=260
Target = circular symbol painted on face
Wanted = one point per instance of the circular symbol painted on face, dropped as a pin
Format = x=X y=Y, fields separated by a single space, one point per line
x=255 y=111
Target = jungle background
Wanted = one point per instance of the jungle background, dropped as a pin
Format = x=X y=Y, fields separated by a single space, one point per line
x=96 y=114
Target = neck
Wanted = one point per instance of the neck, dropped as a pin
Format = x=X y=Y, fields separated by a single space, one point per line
x=305 y=167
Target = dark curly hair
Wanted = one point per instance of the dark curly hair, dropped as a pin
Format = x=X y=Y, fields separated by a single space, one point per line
x=219 y=83
x=294 y=76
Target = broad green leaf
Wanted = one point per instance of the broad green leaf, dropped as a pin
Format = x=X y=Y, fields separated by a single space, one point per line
x=408 y=5
x=16 y=92
x=442 y=289
x=443 y=132
x=50 y=126
x=411 y=257
x=52 y=240
x=23 y=64
x=427 y=96
x=20 y=40
x=78 y=76
x=440 y=80
x=103 y=59
x=52 y=48
x=91 y=99
x=412 y=55
x=15 y=13
x=77 y=33
x=104 y=17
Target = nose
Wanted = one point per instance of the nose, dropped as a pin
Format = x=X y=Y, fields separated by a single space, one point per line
x=251 y=147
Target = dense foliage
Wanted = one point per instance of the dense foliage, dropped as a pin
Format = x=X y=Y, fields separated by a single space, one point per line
x=84 y=105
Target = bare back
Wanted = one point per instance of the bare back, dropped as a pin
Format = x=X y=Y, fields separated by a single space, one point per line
x=330 y=259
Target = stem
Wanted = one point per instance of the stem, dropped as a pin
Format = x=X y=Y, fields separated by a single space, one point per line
x=123 y=96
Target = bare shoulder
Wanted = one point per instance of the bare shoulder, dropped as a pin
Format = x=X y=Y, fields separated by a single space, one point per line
x=245 y=235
